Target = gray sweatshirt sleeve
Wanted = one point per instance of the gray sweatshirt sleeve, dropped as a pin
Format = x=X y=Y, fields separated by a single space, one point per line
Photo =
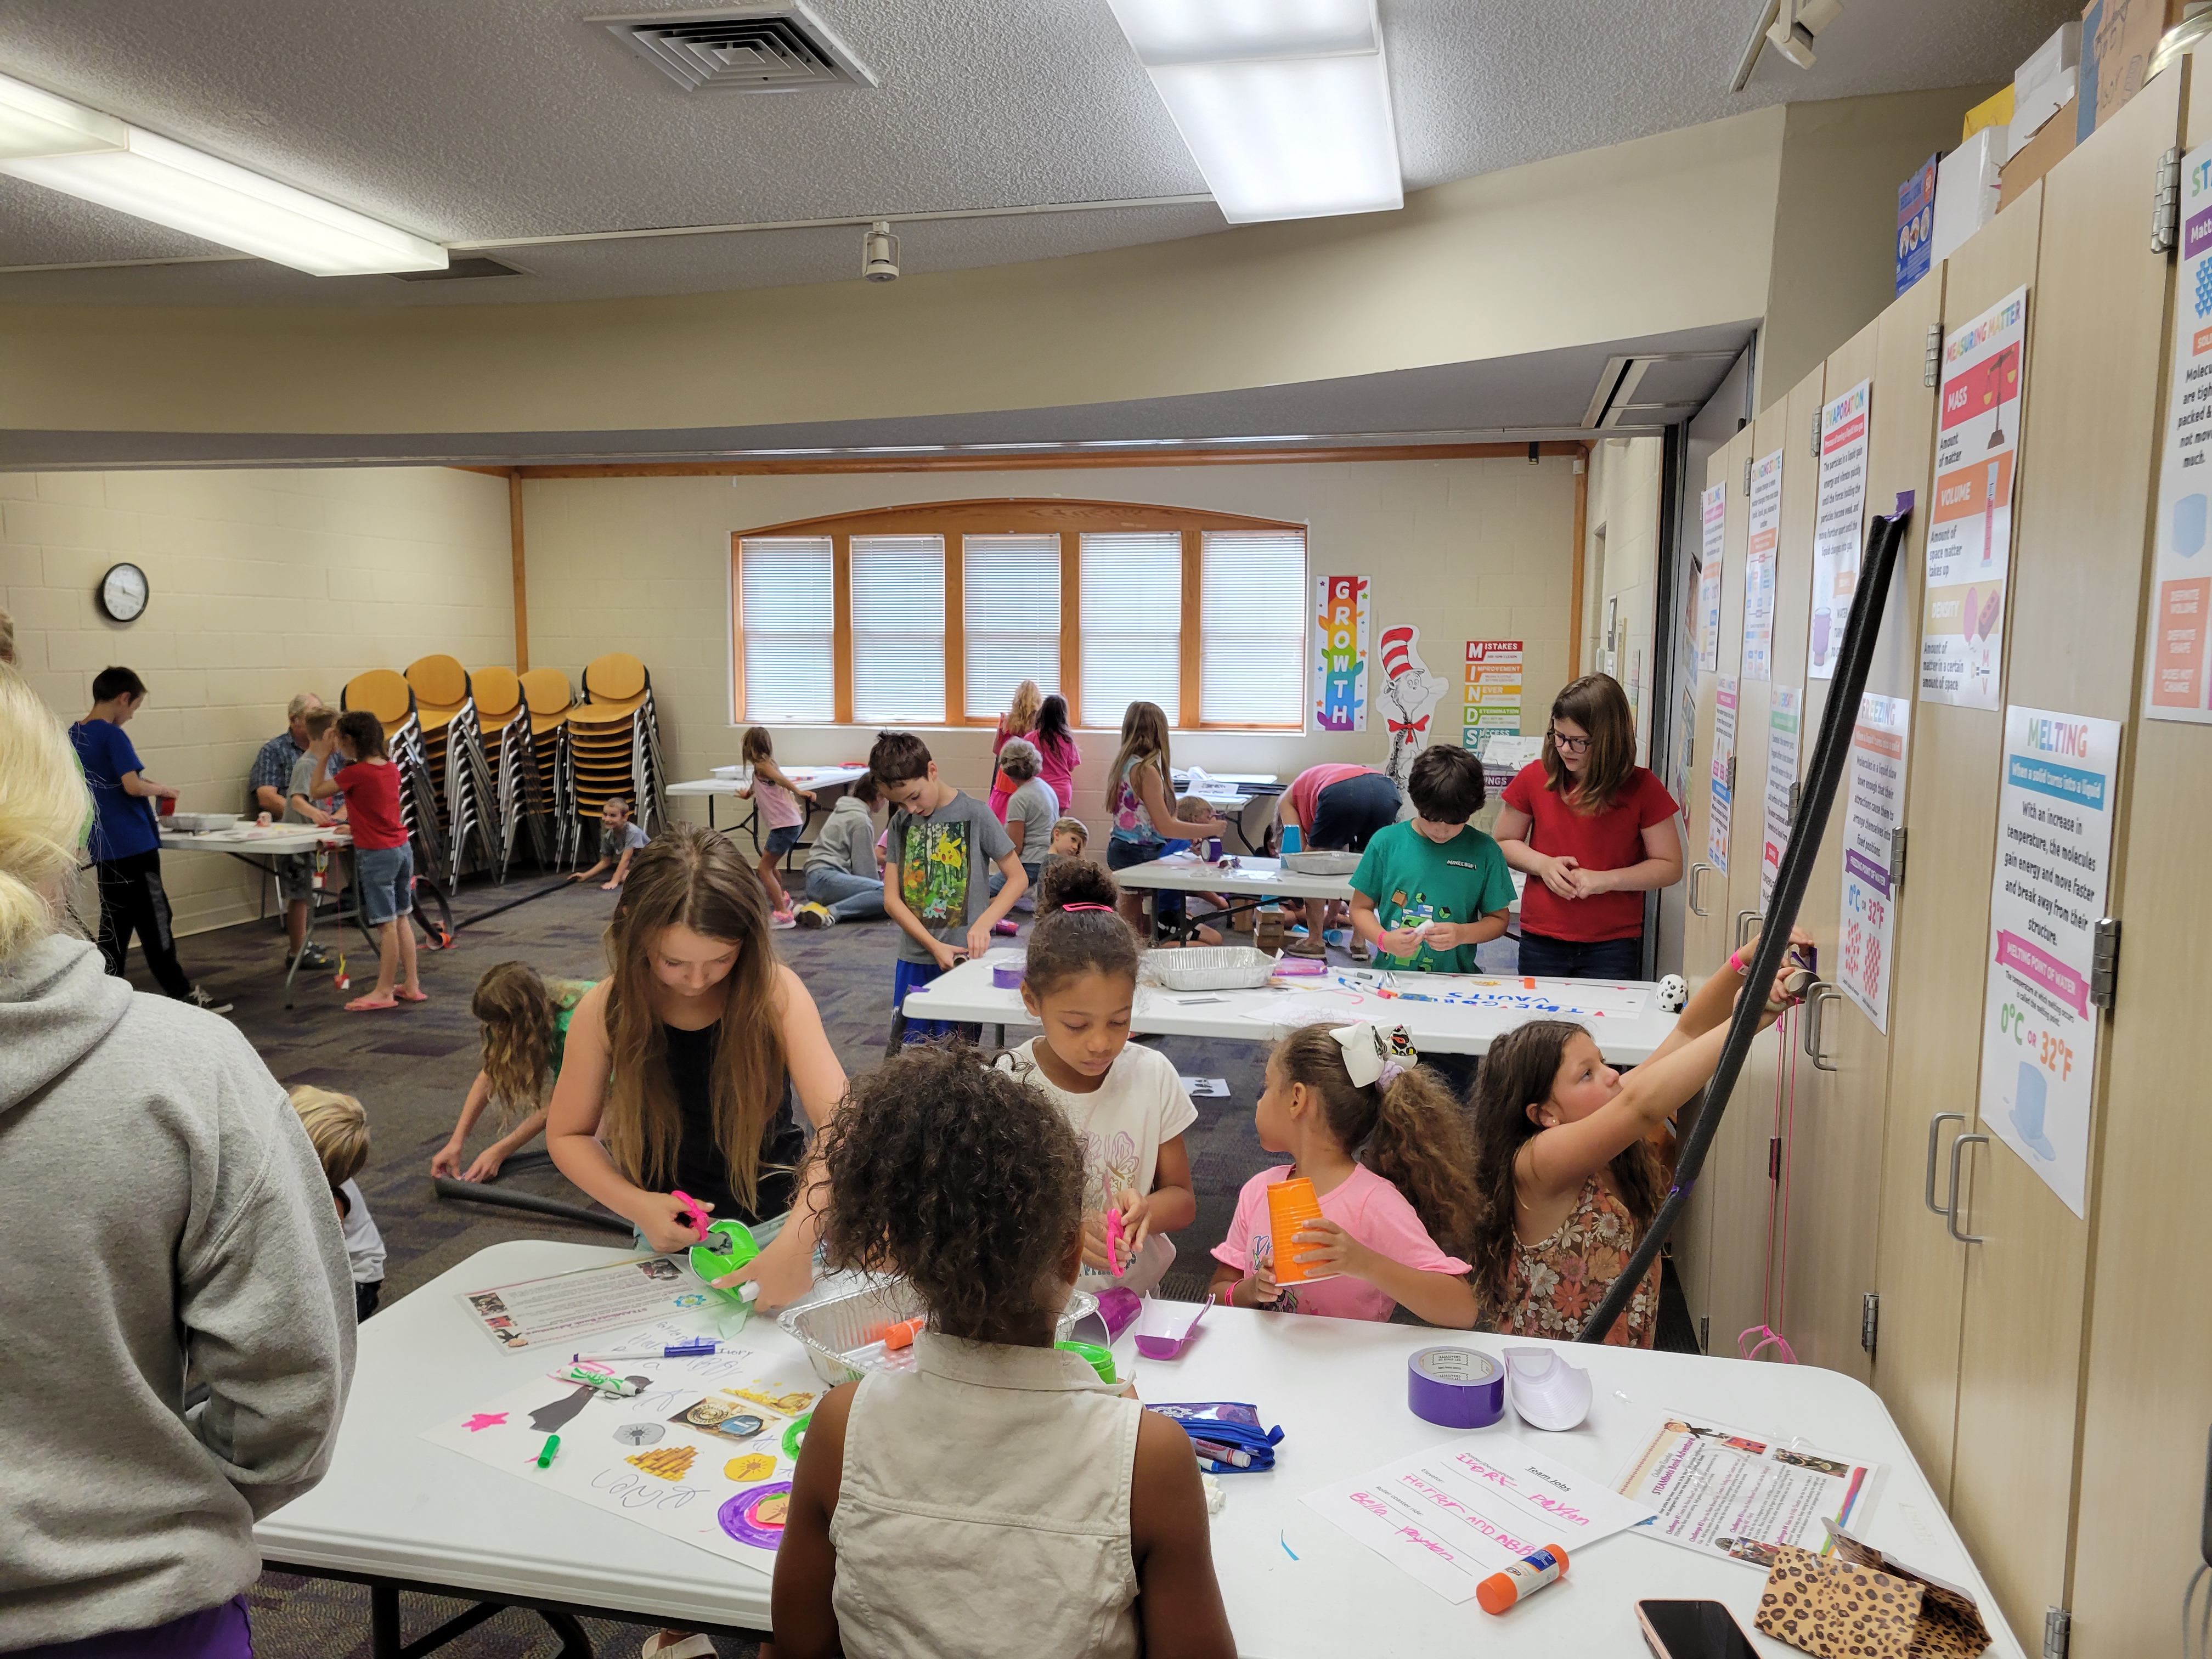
x=265 y=1300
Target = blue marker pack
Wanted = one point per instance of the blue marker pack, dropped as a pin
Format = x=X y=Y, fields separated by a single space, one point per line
x=1227 y=1423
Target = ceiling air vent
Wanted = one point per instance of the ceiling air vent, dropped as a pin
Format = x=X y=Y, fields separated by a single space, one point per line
x=740 y=49
x=465 y=269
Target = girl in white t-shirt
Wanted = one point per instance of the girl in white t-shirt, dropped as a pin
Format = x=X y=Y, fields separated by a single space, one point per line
x=1127 y=1104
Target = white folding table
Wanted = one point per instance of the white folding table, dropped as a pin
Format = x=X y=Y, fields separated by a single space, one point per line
x=250 y=843
x=398 y=1513
x=1246 y=881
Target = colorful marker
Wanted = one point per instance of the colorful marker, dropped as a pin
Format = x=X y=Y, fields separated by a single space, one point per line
x=698 y=1350
x=545 y=1457
x=1113 y=1227
x=1221 y=1454
x=605 y=1381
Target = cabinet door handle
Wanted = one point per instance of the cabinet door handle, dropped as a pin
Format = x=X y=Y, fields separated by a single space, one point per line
x=1742 y=917
x=1951 y=1216
x=1814 y=1002
x=1696 y=908
x=1935 y=1128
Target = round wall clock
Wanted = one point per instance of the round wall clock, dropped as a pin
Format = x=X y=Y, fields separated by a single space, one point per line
x=123 y=592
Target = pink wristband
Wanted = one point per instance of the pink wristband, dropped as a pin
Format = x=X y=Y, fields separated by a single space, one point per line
x=1736 y=961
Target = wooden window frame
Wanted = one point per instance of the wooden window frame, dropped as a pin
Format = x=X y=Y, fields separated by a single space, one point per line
x=955 y=520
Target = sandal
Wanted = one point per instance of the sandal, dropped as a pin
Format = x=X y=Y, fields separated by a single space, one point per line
x=370 y=1005
x=412 y=996
x=676 y=1644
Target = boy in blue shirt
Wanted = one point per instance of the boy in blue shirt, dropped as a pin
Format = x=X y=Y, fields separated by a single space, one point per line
x=126 y=842
x=1428 y=893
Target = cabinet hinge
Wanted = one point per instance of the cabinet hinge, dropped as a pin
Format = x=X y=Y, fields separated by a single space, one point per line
x=1816 y=435
x=1774 y=1158
x=1896 y=859
x=2105 y=963
x=2165 y=203
x=1731 y=776
x=1747 y=475
x=1796 y=791
x=1931 y=365
x=1869 y=1319
x=1704 y=1335
x=2057 y=1629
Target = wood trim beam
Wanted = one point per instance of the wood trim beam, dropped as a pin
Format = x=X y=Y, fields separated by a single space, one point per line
x=841 y=650
x=1031 y=461
x=1193 y=622
x=1575 y=580
x=1070 y=624
x=956 y=629
x=1014 y=515
x=521 y=580
x=736 y=629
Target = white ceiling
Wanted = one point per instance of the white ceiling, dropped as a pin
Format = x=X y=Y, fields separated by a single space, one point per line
x=470 y=120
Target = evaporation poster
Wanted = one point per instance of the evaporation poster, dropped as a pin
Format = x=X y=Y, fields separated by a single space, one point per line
x=1716 y=837
x=1713 y=507
x=1764 y=525
x=1781 y=724
x=2038 y=1026
x=1340 y=654
x=2179 y=685
x=1839 y=522
x=1872 y=806
x=1970 y=534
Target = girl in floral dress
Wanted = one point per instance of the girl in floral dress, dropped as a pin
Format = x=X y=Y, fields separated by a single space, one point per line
x=1569 y=1176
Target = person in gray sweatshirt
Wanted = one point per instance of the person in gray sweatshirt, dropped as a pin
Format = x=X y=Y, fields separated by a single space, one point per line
x=163 y=1219
x=842 y=883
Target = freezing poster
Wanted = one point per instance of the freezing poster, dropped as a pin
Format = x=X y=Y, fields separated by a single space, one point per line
x=1839 y=521
x=1765 y=524
x=1874 y=803
x=2179 y=688
x=1970 y=534
x=2038 y=1026
x=1781 y=722
x=1714 y=505
x=1340 y=654
x=1717 y=835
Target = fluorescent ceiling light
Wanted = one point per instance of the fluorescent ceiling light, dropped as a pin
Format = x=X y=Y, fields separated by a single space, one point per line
x=150 y=177
x=36 y=122
x=1285 y=104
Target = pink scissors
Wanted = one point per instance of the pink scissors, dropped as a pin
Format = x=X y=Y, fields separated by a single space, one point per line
x=1113 y=1227
x=698 y=1215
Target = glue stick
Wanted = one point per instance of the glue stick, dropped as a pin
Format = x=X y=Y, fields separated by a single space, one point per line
x=1524 y=1578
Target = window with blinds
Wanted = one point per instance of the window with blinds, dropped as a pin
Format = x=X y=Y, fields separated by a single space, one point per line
x=1132 y=617
x=898 y=630
x=1010 y=613
x=786 y=595
x=1252 y=624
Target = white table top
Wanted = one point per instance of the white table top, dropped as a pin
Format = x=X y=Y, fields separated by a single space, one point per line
x=275 y=839
x=1253 y=877
x=806 y=777
x=394 y=1504
x=1241 y=777
x=966 y=993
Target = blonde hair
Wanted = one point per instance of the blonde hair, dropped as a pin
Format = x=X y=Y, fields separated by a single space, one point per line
x=45 y=811
x=1075 y=827
x=757 y=746
x=517 y=1013
x=7 y=638
x=1022 y=712
x=338 y=1126
x=1144 y=737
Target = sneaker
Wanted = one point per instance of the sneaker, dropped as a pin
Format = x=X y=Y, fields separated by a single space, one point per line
x=315 y=956
x=780 y=919
x=1305 y=945
x=199 y=998
x=1359 y=950
x=811 y=914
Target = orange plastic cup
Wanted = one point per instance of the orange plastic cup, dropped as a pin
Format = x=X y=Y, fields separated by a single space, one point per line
x=1291 y=1204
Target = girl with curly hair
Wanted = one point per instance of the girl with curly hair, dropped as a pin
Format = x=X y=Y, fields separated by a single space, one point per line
x=1568 y=1174
x=526 y=1034
x=998 y=1499
x=1385 y=1145
x=1127 y=1104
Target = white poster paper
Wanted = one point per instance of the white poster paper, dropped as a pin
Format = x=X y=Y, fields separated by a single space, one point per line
x=1714 y=506
x=1454 y=1514
x=1765 y=524
x=566 y=1306
x=1716 y=836
x=2178 y=687
x=1872 y=804
x=1723 y=1492
x=1839 y=522
x=1970 y=531
x=1783 y=720
x=2038 y=1027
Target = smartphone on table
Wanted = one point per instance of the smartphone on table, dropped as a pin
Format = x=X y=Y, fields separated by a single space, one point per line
x=1693 y=1629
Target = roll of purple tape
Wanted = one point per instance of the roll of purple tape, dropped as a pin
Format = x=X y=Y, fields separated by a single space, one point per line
x=1455 y=1388
x=1007 y=976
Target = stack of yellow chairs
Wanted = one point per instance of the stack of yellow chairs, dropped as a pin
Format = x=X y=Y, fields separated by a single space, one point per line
x=518 y=804
x=452 y=749
x=547 y=695
x=616 y=740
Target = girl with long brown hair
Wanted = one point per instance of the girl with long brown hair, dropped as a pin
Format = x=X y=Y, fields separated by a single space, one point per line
x=525 y=1019
x=1595 y=830
x=1019 y=721
x=688 y=1059
x=1140 y=794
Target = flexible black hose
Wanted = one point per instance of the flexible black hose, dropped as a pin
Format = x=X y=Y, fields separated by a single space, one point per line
x=501 y=909
x=1831 y=755
x=474 y=1192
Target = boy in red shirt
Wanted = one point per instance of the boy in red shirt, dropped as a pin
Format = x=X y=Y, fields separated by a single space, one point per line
x=383 y=862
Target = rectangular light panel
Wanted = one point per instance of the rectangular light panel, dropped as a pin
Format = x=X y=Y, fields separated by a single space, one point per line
x=34 y=122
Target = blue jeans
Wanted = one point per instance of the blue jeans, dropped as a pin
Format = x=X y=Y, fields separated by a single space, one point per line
x=912 y=976
x=1122 y=853
x=385 y=876
x=1567 y=958
x=847 y=896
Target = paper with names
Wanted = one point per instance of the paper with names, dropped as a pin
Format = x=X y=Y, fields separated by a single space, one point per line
x=1782 y=734
x=1839 y=522
x=1381 y=995
x=1969 y=529
x=2177 y=665
x=1453 y=1514
x=1713 y=506
x=1717 y=833
x=1762 y=551
x=1873 y=803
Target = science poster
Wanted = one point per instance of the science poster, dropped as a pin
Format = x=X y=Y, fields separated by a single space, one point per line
x=1782 y=730
x=1723 y=770
x=1873 y=806
x=1765 y=526
x=1970 y=532
x=1713 y=505
x=2179 y=687
x=1839 y=522
x=1340 y=654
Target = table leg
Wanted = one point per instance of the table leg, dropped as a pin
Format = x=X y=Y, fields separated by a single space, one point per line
x=710 y=812
x=384 y=1621
x=575 y=1641
x=898 y=1033
x=998 y=1037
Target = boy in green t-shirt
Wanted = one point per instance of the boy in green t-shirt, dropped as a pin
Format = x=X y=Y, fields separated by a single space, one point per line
x=1426 y=893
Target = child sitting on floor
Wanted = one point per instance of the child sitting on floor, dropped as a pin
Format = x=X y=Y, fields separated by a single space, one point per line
x=998 y=1499
x=526 y=1036
x=619 y=842
x=843 y=881
x=1126 y=1101
x=1069 y=837
x=338 y=1126
x=1387 y=1150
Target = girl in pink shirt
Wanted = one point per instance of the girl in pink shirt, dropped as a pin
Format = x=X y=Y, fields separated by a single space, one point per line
x=778 y=799
x=1388 y=1152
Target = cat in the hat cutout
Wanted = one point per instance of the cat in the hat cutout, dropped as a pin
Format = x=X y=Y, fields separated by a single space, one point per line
x=1410 y=693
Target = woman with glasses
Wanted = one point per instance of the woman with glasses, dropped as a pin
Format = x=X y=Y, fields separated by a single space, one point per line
x=1595 y=832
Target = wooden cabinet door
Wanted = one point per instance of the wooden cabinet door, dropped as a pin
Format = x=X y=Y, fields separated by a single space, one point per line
x=1936 y=991
x=2080 y=552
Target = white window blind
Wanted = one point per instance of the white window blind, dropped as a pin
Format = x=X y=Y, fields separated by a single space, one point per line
x=1010 y=607
x=787 y=609
x=1252 y=639
x=898 y=629
x=1131 y=623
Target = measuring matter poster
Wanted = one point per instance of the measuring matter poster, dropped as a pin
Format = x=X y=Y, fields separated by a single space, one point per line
x=1873 y=806
x=2039 y=1025
x=1838 y=521
x=2180 y=688
x=1763 y=524
x=1716 y=829
x=1781 y=722
x=1713 y=507
x=1970 y=533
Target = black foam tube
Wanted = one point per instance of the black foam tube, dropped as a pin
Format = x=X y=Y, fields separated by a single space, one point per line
x=500 y=909
x=1831 y=755
x=473 y=1192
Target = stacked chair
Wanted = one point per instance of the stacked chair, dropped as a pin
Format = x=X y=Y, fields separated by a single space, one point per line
x=389 y=697
x=452 y=744
x=547 y=697
x=616 y=741
x=520 y=807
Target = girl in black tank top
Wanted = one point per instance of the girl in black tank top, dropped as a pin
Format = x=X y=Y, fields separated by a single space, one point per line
x=701 y=1168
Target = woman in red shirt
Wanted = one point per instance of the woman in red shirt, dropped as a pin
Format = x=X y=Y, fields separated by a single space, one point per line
x=1595 y=831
